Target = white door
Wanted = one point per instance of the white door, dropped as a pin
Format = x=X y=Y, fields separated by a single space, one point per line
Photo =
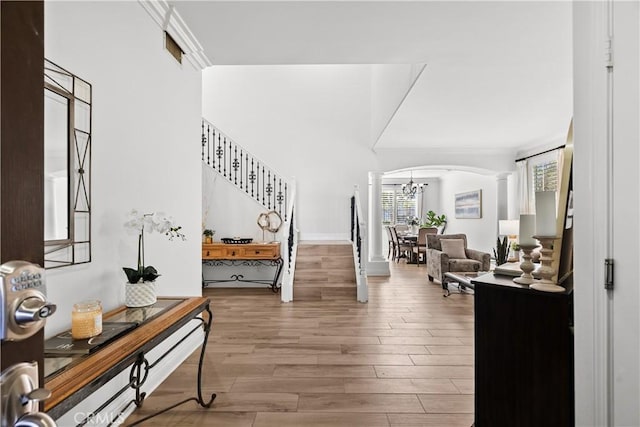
x=607 y=200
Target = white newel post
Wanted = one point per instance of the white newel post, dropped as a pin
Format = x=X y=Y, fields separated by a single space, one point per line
x=378 y=265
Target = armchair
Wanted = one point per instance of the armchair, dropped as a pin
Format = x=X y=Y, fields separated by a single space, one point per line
x=455 y=257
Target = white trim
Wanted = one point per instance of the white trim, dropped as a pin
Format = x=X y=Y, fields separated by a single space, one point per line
x=170 y=21
x=378 y=268
x=591 y=305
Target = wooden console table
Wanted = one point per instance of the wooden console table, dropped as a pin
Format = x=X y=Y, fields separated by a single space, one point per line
x=72 y=378
x=249 y=254
x=523 y=355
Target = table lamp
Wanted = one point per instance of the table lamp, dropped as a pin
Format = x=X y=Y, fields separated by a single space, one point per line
x=510 y=228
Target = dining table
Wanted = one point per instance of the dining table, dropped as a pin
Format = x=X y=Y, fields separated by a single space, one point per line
x=412 y=240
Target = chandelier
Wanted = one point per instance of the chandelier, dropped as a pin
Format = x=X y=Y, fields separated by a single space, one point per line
x=411 y=188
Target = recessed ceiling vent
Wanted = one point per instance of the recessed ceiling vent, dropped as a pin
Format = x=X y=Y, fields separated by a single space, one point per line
x=173 y=48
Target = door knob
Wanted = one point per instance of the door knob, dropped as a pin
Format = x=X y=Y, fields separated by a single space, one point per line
x=37 y=395
x=37 y=419
x=33 y=309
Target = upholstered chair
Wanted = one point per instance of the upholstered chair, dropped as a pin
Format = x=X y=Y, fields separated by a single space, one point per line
x=449 y=253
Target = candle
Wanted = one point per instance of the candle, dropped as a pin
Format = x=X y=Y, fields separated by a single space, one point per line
x=86 y=319
x=527 y=229
x=545 y=213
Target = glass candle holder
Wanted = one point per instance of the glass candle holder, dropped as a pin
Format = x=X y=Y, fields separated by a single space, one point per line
x=86 y=319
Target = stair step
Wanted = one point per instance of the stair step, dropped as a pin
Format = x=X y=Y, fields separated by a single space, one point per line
x=319 y=294
x=311 y=284
x=339 y=249
x=322 y=262
x=325 y=275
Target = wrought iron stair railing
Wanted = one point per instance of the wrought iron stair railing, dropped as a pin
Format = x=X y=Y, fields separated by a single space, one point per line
x=359 y=243
x=245 y=171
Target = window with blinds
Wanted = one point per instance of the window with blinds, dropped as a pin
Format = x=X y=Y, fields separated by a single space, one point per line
x=396 y=207
x=545 y=176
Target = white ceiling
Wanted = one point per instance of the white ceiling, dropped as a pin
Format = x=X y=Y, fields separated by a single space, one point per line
x=498 y=74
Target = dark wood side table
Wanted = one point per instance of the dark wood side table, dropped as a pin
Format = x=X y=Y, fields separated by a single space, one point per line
x=523 y=355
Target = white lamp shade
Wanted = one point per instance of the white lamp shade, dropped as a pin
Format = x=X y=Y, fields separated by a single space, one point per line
x=545 y=213
x=527 y=230
x=508 y=227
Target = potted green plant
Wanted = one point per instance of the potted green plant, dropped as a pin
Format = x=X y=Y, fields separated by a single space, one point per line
x=435 y=220
x=501 y=251
x=208 y=235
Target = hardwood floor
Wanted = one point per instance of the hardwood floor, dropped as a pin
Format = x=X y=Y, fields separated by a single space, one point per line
x=403 y=359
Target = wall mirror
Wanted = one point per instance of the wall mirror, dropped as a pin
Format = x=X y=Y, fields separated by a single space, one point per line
x=67 y=164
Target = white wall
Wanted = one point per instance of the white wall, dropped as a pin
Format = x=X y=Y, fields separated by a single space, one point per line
x=146 y=128
x=483 y=232
x=311 y=122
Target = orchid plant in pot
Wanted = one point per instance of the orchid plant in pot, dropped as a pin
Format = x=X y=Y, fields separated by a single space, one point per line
x=140 y=286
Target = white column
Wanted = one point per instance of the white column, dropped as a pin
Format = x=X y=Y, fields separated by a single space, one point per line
x=378 y=265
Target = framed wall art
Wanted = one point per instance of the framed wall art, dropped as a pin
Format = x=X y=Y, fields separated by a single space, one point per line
x=469 y=205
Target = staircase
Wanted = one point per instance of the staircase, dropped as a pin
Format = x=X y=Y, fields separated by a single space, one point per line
x=324 y=271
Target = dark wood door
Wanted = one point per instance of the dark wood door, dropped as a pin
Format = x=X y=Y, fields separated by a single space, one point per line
x=22 y=150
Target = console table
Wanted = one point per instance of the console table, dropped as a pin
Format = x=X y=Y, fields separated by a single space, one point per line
x=523 y=354
x=249 y=254
x=74 y=377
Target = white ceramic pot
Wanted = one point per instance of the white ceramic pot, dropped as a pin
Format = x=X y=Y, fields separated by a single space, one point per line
x=140 y=294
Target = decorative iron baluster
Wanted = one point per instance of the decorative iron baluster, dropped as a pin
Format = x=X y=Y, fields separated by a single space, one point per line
x=209 y=134
x=235 y=165
x=279 y=198
x=263 y=185
x=224 y=157
x=241 y=169
x=269 y=190
x=246 y=171
x=219 y=153
x=203 y=141
x=274 y=194
x=252 y=178
x=258 y=181
x=285 y=202
x=229 y=159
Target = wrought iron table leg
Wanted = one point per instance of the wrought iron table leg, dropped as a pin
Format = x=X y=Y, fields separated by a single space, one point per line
x=274 y=285
x=198 y=399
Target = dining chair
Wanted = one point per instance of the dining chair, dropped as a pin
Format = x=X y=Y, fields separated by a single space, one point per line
x=421 y=245
x=392 y=246
x=401 y=247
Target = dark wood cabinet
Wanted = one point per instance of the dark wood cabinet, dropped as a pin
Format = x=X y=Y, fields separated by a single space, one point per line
x=523 y=355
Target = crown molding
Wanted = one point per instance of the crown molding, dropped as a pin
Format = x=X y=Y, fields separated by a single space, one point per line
x=169 y=20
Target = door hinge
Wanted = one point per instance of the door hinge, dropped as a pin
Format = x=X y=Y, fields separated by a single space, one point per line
x=608 y=53
x=608 y=274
